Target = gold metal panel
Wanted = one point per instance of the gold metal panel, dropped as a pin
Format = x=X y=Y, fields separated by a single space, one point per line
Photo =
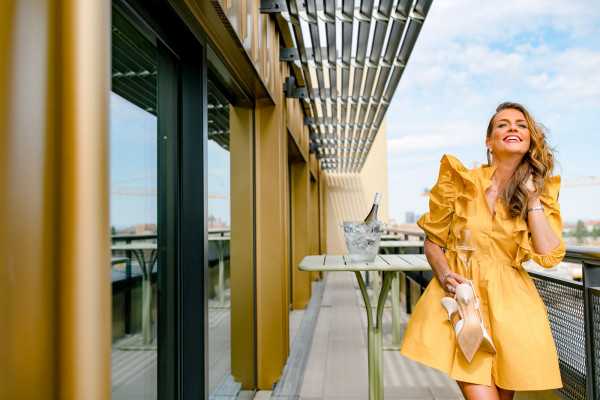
x=270 y=278
x=54 y=235
x=300 y=180
x=242 y=247
x=28 y=132
x=243 y=32
x=84 y=255
x=314 y=223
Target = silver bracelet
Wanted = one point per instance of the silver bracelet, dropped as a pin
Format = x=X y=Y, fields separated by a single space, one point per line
x=535 y=208
x=444 y=279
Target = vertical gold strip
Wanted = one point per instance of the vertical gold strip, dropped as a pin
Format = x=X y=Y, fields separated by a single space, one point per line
x=269 y=245
x=242 y=247
x=300 y=233
x=255 y=16
x=264 y=39
x=285 y=215
x=84 y=277
x=322 y=212
x=28 y=366
x=314 y=223
x=243 y=19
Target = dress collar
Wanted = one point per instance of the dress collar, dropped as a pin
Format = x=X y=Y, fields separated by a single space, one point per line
x=486 y=173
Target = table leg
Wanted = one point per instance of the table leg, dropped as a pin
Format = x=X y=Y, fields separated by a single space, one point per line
x=396 y=340
x=375 y=285
x=374 y=336
x=147 y=309
x=221 y=248
x=146 y=268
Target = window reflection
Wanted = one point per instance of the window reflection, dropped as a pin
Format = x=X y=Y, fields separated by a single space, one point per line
x=219 y=226
x=133 y=213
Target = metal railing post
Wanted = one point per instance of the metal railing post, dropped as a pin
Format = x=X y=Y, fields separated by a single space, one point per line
x=591 y=278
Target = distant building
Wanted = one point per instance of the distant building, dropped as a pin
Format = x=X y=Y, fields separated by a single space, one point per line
x=591 y=225
x=410 y=217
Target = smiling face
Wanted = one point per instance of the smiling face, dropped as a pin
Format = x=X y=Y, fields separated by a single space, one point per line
x=510 y=134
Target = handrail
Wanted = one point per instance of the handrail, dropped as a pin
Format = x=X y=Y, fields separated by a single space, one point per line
x=582 y=253
x=411 y=232
x=133 y=236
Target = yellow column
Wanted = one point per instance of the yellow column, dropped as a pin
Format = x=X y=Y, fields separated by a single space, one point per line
x=27 y=202
x=85 y=303
x=314 y=223
x=54 y=236
x=300 y=233
x=270 y=275
x=242 y=246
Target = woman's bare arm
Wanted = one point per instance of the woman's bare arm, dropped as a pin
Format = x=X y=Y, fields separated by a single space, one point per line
x=544 y=238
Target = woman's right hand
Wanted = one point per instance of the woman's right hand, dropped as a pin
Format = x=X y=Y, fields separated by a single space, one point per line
x=437 y=260
x=451 y=281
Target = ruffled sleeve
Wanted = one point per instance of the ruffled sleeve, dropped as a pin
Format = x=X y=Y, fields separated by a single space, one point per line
x=552 y=211
x=453 y=182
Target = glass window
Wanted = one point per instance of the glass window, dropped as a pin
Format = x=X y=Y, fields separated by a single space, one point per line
x=133 y=213
x=219 y=238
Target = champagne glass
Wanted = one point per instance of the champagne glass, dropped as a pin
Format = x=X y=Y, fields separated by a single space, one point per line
x=465 y=249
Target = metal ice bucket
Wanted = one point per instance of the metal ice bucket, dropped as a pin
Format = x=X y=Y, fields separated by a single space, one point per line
x=362 y=239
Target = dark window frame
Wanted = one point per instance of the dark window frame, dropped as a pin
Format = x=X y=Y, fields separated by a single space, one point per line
x=182 y=199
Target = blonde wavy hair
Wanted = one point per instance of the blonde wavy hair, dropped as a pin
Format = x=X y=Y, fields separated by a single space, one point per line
x=538 y=163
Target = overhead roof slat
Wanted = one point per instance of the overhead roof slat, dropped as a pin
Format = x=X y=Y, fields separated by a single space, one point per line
x=351 y=78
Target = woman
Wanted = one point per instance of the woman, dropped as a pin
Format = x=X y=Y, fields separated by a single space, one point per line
x=510 y=207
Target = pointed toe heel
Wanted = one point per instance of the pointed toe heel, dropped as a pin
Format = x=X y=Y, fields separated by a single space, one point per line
x=452 y=309
x=470 y=334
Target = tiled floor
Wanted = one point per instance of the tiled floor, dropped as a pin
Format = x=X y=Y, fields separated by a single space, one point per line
x=337 y=364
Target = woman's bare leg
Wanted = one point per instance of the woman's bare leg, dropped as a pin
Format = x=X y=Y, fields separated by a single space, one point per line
x=472 y=391
x=505 y=394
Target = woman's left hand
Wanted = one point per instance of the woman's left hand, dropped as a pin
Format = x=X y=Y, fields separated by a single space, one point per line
x=533 y=199
x=529 y=184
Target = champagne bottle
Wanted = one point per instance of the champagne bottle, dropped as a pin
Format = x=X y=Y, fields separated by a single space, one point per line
x=373 y=213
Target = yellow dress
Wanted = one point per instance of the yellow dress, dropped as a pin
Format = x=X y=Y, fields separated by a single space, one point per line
x=513 y=313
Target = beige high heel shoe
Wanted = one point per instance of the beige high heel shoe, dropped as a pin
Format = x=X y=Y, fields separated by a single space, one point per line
x=452 y=308
x=470 y=332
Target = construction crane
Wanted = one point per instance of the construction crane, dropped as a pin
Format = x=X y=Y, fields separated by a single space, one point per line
x=149 y=191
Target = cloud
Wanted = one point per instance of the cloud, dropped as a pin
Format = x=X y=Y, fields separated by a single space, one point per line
x=478 y=21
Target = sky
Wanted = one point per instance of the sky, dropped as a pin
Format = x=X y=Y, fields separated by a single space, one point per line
x=133 y=164
x=472 y=55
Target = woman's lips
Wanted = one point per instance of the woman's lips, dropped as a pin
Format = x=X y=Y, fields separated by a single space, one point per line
x=512 y=138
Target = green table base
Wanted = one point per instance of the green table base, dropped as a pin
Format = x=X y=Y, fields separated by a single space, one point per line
x=396 y=335
x=389 y=265
x=375 y=334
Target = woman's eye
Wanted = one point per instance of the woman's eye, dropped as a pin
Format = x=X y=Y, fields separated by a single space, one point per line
x=501 y=125
x=523 y=126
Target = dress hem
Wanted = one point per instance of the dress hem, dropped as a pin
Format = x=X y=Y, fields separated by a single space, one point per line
x=432 y=364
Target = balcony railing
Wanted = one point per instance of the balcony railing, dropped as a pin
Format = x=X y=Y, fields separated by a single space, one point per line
x=574 y=314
